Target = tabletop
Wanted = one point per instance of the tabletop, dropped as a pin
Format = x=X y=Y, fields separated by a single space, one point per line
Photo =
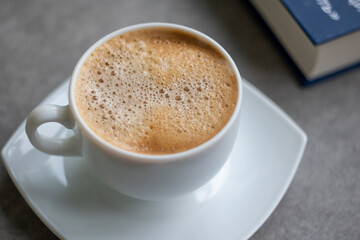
x=41 y=41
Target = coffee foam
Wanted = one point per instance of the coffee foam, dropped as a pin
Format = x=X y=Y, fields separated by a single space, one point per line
x=156 y=91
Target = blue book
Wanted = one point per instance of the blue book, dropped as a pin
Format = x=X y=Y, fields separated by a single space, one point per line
x=325 y=20
x=321 y=36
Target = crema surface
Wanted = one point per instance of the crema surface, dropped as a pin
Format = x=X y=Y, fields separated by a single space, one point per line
x=156 y=91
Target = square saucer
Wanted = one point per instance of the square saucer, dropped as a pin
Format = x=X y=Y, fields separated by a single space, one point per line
x=75 y=205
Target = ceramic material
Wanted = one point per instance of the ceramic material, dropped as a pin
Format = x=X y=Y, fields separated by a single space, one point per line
x=146 y=177
x=233 y=205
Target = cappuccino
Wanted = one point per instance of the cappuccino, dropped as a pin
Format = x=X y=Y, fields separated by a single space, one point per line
x=156 y=91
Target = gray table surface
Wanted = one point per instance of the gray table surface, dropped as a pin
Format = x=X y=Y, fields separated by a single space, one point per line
x=41 y=41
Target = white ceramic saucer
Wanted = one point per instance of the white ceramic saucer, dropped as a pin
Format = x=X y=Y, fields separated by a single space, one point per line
x=74 y=205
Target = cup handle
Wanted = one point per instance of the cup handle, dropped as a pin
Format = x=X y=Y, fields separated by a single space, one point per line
x=52 y=113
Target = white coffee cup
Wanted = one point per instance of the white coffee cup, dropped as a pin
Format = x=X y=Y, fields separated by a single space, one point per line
x=147 y=177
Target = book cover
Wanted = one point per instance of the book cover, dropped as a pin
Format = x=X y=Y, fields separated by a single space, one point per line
x=325 y=20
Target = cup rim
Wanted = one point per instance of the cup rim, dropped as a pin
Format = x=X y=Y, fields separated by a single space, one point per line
x=141 y=157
